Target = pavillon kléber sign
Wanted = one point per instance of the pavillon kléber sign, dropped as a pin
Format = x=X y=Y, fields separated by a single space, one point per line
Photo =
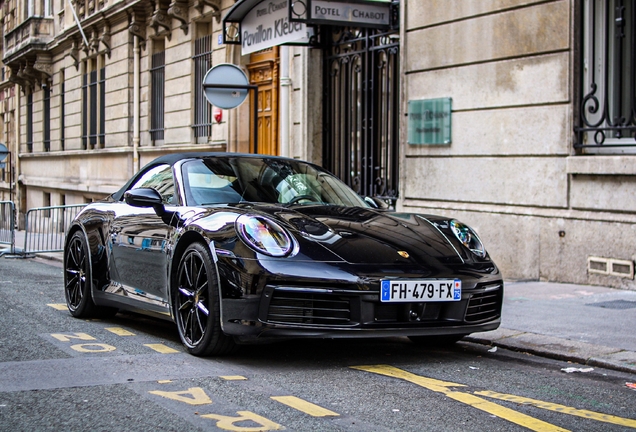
x=268 y=25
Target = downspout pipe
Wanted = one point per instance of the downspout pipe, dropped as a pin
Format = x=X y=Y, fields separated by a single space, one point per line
x=285 y=86
x=135 y=104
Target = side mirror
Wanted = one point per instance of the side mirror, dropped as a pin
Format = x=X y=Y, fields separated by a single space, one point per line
x=377 y=203
x=149 y=197
x=143 y=197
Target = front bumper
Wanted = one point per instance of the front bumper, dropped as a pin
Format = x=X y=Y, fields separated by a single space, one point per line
x=292 y=311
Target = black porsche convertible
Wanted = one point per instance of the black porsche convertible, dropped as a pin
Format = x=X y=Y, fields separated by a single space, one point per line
x=235 y=247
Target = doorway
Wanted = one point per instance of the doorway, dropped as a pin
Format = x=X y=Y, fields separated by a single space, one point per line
x=361 y=109
x=263 y=72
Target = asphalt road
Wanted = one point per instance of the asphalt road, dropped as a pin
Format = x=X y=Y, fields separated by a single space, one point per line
x=130 y=373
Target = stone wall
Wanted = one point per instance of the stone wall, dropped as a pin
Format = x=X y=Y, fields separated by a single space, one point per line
x=511 y=170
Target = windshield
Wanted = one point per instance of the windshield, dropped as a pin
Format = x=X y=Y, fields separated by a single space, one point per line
x=219 y=180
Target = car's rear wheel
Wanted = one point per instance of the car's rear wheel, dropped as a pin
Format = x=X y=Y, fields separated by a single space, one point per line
x=78 y=282
x=195 y=301
x=436 y=340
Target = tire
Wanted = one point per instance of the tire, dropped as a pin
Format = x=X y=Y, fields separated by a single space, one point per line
x=195 y=302
x=436 y=341
x=78 y=281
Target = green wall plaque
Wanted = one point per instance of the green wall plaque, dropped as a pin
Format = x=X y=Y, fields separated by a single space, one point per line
x=429 y=121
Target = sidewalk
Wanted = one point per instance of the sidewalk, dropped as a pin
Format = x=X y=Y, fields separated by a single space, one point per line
x=584 y=324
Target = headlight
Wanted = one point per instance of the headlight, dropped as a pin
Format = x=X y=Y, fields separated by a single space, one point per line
x=468 y=237
x=264 y=235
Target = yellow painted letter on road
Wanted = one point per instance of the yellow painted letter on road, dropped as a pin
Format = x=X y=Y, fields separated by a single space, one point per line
x=93 y=348
x=229 y=423
x=191 y=396
x=67 y=337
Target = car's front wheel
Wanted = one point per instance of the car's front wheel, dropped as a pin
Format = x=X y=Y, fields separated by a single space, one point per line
x=195 y=300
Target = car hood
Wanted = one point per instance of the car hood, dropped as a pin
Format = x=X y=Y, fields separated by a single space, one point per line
x=366 y=236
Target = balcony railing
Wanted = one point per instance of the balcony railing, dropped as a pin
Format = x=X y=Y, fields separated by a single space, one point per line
x=36 y=31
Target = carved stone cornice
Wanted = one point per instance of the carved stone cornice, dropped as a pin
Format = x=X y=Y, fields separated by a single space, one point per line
x=44 y=65
x=75 y=53
x=15 y=78
x=93 y=42
x=214 y=4
x=160 y=21
x=137 y=25
x=105 y=39
x=27 y=75
x=178 y=10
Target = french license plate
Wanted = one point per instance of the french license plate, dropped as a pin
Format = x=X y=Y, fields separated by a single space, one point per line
x=432 y=290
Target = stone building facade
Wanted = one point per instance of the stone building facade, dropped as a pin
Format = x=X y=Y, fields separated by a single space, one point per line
x=520 y=75
x=540 y=157
x=96 y=101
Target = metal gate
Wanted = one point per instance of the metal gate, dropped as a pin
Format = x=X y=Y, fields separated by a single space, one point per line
x=361 y=84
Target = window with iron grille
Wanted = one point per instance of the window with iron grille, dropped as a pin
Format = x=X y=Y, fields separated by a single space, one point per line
x=157 y=83
x=202 y=110
x=47 y=118
x=93 y=105
x=29 y=123
x=606 y=121
x=62 y=110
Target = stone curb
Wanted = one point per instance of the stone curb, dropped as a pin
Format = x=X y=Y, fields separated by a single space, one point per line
x=558 y=348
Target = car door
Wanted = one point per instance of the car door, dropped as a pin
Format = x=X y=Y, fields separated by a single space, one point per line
x=139 y=243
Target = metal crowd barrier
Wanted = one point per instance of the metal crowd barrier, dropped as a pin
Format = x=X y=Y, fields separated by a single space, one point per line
x=7 y=225
x=45 y=228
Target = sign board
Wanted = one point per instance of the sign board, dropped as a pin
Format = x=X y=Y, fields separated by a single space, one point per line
x=217 y=86
x=362 y=14
x=268 y=25
x=4 y=151
x=429 y=121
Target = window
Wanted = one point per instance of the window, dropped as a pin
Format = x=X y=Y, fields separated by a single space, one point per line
x=62 y=109
x=29 y=123
x=157 y=83
x=606 y=121
x=160 y=179
x=202 y=110
x=93 y=103
x=47 y=118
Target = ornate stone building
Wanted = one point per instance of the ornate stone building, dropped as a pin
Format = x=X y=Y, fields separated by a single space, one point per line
x=537 y=150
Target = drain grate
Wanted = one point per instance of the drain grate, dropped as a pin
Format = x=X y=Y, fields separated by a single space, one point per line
x=615 y=304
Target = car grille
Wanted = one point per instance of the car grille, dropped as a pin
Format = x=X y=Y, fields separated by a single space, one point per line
x=309 y=308
x=485 y=305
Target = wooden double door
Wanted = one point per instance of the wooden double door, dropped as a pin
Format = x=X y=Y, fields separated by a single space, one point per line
x=263 y=72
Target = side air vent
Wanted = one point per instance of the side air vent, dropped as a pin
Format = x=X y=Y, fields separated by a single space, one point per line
x=485 y=305
x=309 y=308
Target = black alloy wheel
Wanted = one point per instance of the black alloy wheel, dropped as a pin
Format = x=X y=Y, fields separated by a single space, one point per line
x=196 y=304
x=77 y=277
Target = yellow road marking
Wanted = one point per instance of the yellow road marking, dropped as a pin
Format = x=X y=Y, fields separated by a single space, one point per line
x=191 y=396
x=304 y=406
x=228 y=423
x=119 y=331
x=233 y=377
x=469 y=399
x=161 y=348
x=560 y=408
x=164 y=381
x=58 y=306
x=67 y=337
x=93 y=348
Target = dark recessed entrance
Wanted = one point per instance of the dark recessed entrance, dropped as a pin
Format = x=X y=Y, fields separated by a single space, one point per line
x=361 y=106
